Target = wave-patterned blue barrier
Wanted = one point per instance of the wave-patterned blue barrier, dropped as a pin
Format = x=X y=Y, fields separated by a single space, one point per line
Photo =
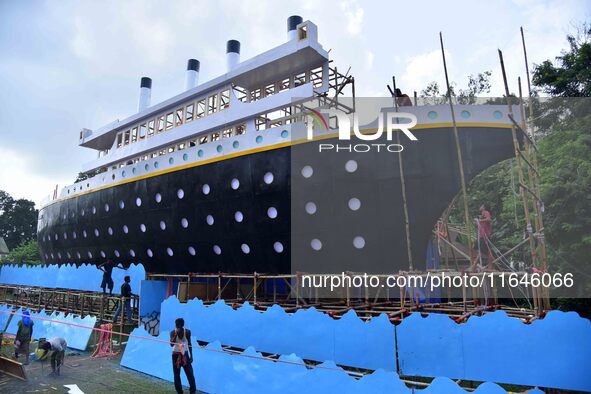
x=217 y=371
x=50 y=326
x=308 y=333
x=552 y=352
x=69 y=276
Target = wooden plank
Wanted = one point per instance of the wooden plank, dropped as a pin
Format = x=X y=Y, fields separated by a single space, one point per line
x=12 y=368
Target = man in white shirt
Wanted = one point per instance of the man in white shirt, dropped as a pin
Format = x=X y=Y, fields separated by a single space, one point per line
x=58 y=347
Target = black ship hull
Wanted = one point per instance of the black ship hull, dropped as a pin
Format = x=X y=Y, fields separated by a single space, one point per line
x=199 y=219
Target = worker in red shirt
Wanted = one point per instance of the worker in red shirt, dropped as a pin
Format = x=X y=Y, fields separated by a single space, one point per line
x=484 y=222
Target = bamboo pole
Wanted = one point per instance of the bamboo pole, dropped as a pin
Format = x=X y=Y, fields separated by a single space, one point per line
x=459 y=154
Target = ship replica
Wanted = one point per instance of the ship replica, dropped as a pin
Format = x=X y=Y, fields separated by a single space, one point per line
x=214 y=179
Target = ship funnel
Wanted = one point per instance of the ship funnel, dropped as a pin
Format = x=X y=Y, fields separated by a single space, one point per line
x=232 y=54
x=192 y=75
x=145 y=94
x=292 y=24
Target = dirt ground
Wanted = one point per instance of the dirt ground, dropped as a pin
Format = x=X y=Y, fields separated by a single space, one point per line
x=91 y=375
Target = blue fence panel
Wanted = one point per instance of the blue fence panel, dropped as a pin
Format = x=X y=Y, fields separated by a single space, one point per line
x=217 y=371
x=551 y=352
x=309 y=333
x=69 y=276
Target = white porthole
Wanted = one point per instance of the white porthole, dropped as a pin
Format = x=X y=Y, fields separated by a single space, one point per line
x=150 y=253
x=47 y=257
x=65 y=236
x=110 y=231
x=69 y=255
x=272 y=212
x=93 y=210
x=74 y=234
x=354 y=204
x=351 y=166
x=84 y=234
x=158 y=197
x=235 y=184
x=192 y=251
x=307 y=171
x=121 y=204
x=103 y=255
x=89 y=254
x=184 y=223
x=268 y=178
x=52 y=256
x=359 y=242
x=278 y=247
x=169 y=252
x=206 y=189
x=217 y=250
x=77 y=255
x=116 y=252
x=238 y=216
x=143 y=228
x=125 y=229
x=310 y=208
x=209 y=220
x=138 y=202
x=59 y=255
x=245 y=248
x=106 y=207
x=96 y=232
x=316 y=244
x=132 y=252
x=82 y=212
x=55 y=236
x=180 y=194
x=162 y=225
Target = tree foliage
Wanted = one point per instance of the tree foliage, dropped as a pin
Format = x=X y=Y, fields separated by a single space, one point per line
x=18 y=220
x=477 y=84
x=27 y=253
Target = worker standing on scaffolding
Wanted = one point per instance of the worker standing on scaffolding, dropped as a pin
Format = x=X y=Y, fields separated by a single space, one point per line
x=402 y=99
x=125 y=300
x=23 y=337
x=107 y=268
x=180 y=340
x=484 y=223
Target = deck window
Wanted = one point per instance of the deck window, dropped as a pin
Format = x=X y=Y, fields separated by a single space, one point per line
x=189 y=112
x=284 y=84
x=224 y=99
x=126 y=138
x=203 y=140
x=270 y=89
x=200 y=109
x=299 y=79
x=240 y=129
x=212 y=104
x=142 y=131
x=169 y=120
x=215 y=136
x=178 y=119
x=119 y=140
x=151 y=126
x=134 y=134
x=160 y=125
x=256 y=94
x=227 y=133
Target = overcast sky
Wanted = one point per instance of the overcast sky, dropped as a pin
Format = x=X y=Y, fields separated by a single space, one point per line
x=65 y=65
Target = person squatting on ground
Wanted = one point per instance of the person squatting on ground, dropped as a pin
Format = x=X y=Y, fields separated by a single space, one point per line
x=23 y=337
x=57 y=346
x=180 y=340
x=125 y=299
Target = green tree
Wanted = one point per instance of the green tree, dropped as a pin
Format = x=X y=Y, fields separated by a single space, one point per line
x=27 y=253
x=18 y=220
x=477 y=84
